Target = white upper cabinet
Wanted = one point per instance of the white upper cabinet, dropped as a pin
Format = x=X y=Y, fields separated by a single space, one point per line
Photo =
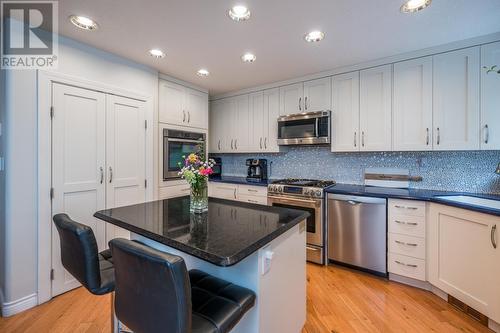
x=456 y=100
x=345 y=112
x=291 y=99
x=271 y=114
x=257 y=135
x=317 y=95
x=490 y=97
x=412 y=114
x=182 y=106
x=241 y=125
x=215 y=125
x=376 y=108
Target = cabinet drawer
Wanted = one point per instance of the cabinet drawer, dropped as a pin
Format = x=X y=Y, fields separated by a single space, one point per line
x=406 y=207
x=406 y=266
x=253 y=199
x=260 y=191
x=407 y=225
x=407 y=245
x=223 y=191
x=173 y=191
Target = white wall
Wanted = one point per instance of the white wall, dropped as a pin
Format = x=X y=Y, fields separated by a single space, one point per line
x=78 y=60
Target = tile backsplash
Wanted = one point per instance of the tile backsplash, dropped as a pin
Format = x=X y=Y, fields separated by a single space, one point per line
x=468 y=171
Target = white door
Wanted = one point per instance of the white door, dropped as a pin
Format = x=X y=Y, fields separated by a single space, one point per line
x=490 y=97
x=345 y=112
x=257 y=132
x=456 y=100
x=412 y=115
x=125 y=156
x=242 y=125
x=375 y=104
x=291 y=99
x=271 y=114
x=78 y=162
x=228 y=121
x=196 y=106
x=214 y=134
x=318 y=95
x=171 y=103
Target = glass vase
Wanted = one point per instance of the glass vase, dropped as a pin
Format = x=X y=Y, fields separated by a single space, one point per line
x=199 y=197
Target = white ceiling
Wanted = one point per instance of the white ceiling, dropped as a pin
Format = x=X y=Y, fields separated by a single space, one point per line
x=199 y=33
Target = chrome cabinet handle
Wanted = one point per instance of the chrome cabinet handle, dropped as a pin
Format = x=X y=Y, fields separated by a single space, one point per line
x=427 y=136
x=403 y=264
x=252 y=190
x=300 y=102
x=492 y=235
x=235 y=143
x=438 y=136
x=406 y=207
x=183 y=116
x=110 y=174
x=260 y=142
x=486 y=133
x=218 y=144
x=232 y=144
x=355 y=139
x=305 y=103
x=189 y=116
x=363 y=138
x=406 y=223
x=252 y=201
x=407 y=244
x=265 y=143
x=102 y=174
x=234 y=193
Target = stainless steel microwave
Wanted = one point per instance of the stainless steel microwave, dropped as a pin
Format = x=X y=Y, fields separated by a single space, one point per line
x=312 y=128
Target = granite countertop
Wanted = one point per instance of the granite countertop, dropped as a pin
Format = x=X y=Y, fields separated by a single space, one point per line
x=240 y=180
x=225 y=235
x=414 y=194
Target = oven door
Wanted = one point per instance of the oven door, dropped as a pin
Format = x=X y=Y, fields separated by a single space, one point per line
x=314 y=223
x=173 y=150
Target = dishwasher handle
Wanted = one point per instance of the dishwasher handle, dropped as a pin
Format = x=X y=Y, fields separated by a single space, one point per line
x=356 y=200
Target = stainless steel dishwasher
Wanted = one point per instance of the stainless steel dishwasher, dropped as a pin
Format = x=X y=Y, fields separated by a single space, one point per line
x=357 y=232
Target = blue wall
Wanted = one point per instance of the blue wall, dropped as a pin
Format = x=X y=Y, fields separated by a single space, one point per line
x=468 y=171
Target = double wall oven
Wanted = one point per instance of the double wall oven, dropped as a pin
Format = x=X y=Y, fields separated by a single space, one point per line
x=177 y=144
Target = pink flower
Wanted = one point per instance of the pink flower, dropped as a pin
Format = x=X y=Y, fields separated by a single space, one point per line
x=206 y=172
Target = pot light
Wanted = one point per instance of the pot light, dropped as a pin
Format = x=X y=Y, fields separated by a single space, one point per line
x=314 y=36
x=83 y=22
x=156 y=53
x=239 y=13
x=203 y=72
x=248 y=57
x=411 y=6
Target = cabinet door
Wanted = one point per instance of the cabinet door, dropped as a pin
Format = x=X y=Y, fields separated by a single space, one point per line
x=196 y=108
x=318 y=95
x=490 y=97
x=216 y=129
x=291 y=99
x=468 y=273
x=375 y=108
x=223 y=190
x=456 y=100
x=125 y=156
x=241 y=125
x=412 y=116
x=171 y=103
x=345 y=112
x=174 y=191
x=257 y=135
x=271 y=114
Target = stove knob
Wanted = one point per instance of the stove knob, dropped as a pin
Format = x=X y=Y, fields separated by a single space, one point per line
x=280 y=189
x=306 y=192
x=318 y=193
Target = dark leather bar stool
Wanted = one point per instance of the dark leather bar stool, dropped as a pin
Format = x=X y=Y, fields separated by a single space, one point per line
x=155 y=293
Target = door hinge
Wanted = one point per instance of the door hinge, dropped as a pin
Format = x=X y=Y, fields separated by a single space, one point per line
x=145 y=124
x=145 y=183
x=52 y=274
x=51 y=112
x=51 y=193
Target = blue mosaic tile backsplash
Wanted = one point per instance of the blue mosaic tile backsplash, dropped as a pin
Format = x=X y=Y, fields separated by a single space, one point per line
x=467 y=171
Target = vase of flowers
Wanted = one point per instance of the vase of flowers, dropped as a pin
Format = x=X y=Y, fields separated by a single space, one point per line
x=195 y=170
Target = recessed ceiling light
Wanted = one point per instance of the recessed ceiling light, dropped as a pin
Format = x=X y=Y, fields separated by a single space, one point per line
x=203 y=72
x=83 y=22
x=314 y=36
x=239 y=13
x=411 y=6
x=156 y=53
x=248 y=57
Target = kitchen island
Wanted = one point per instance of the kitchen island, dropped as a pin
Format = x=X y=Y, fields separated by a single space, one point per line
x=262 y=248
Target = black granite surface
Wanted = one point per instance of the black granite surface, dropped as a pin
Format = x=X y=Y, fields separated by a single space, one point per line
x=225 y=235
x=414 y=194
x=239 y=180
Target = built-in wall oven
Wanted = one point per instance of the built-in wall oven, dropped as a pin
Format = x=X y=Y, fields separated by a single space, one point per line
x=177 y=144
x=311 y=128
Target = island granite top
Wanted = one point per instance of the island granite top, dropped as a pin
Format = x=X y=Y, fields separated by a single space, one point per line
x=229 y=232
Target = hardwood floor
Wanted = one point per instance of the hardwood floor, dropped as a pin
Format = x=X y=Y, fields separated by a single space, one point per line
x=338 y=300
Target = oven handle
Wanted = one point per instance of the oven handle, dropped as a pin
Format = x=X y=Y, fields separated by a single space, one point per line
x=315 y=203
x=185 y=140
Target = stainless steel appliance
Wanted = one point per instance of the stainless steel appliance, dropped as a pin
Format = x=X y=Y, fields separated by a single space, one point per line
x=357 y=232
x=310 y=128
x=257 y=169
x=308 y=195
x=177 y=144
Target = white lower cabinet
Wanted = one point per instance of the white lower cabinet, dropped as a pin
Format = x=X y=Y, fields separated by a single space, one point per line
x=174 y=191
x=463 y=260
x=243 y=193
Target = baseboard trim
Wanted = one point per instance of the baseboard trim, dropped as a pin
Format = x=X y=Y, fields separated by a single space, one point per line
x=409 y=281
x=19 y=305
x=494 y=326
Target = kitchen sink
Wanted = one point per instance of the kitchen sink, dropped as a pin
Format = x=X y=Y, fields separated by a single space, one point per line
x=469 y=200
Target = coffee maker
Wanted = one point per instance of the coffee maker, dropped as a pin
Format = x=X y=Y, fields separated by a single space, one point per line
x=257 y=169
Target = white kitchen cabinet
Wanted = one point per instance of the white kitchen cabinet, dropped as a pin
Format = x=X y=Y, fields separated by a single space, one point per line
x=375 y=104
x=179 y=105
x=223 y=190
x=238 y=192
x=490 y=97
x=412 y=114
x=241 y=125
x=462 y=258
x=456 y=100
x=345 y=112
x=291 y=99
x=221 y=121
x=271 y=114
x=318 y=95
x=258 y=120
x=173 y=191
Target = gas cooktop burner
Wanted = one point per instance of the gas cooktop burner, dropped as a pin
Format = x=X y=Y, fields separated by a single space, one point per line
x=305 y=182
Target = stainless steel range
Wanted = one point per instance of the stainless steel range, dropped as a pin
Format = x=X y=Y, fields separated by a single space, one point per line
x=304 y=194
